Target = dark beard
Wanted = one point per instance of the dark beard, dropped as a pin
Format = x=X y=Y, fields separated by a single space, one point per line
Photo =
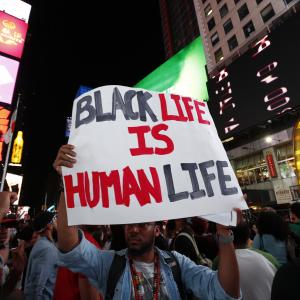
x=142 y=250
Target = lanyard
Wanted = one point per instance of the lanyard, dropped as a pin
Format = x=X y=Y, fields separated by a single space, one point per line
x=137 y=284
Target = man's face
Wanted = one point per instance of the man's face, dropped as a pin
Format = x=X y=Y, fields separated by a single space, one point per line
x=140 y=237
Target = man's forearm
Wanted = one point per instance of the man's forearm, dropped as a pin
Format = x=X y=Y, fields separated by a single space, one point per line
x=67 y=235
x=228 y=271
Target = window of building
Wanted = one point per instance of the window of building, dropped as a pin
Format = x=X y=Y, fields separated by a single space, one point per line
x=243 y=11
x=267 y=13
x=252 y=169
x=219 y=55
x=207 y=10
x=248 y=28
x=223 y=10
x=211 y=24
x=286 y=161
x=232 y=43
x=214 y=38
x=259 y=1
x=227 y=26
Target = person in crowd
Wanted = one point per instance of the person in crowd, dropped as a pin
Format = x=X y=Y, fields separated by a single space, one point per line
x=205 y=240
x=118 y=238
x=286 y=281
x=74 y=286
x=271 y=235
x=43 y=260
x=295 y=218
x=161 y=241
x=256 y=271
x=185 y=244
x=146 y=274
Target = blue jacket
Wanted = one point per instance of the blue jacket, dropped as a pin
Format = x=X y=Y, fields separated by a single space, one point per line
x=95 y=264
x=41 y=271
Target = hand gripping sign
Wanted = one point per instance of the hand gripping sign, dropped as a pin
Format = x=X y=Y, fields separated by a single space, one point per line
x=145 y=156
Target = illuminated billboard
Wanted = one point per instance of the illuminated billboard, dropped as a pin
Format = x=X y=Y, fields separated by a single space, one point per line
x=260 y=85
x=12 y=35
x=16 y=8
x=182 y=74
x=8 y=74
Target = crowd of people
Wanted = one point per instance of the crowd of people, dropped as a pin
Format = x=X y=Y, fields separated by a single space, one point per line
x=43 y=258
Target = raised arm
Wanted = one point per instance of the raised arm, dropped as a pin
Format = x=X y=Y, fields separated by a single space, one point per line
x=67 y=235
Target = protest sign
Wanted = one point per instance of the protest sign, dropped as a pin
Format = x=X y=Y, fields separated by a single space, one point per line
x=144 y=156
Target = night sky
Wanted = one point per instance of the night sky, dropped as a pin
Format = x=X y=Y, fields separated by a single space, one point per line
x=69 y=44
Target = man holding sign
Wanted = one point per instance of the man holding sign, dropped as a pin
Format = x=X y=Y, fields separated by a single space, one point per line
x=137 y=160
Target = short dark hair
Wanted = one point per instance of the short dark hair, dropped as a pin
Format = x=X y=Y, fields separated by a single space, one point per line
x=241 y=234
x=295 y=209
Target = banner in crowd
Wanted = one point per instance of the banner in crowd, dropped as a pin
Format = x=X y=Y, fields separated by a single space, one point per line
x=145 y=156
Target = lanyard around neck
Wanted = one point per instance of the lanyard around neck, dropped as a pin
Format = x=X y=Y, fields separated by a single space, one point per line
x=137 y=283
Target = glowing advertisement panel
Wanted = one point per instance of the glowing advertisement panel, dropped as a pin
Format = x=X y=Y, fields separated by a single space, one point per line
x=16 y=8
x=12 y=35
x=260 y=85
x=8 y=74
x=182 y=74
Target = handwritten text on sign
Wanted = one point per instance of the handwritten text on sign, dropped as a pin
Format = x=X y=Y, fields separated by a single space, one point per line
x=143 y=156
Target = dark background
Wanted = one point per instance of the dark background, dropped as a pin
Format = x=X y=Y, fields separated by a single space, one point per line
x=69 y=44
x=248 y=92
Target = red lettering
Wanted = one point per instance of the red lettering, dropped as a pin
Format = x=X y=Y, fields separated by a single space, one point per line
x=200 y=112
x=113 y=179
x=96 y=189
x=188 y=107
x=164 y=109
x=131 y=187
x=142 y=149
x=266 y=70
x=148 y=188
x=262 y=45
x=161 y=137
x=71 y=190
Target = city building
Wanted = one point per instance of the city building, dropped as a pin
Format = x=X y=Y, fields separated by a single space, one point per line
x=255 y=102
x=179 y=24
x=227 y=27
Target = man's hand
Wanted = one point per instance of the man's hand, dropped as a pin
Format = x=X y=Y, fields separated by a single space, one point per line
x=65 y=158
x=6 y=199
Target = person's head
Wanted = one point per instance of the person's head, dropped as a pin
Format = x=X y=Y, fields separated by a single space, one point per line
x=241 y=235
x=199 y=225
x=44 y=223
x=271 y=223
x=140 y=237
x=295 y=212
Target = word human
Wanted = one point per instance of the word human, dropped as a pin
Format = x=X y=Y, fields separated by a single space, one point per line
x=127 y=183
x=90 y=108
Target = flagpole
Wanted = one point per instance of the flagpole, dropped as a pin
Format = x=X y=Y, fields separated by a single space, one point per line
x=9 y=147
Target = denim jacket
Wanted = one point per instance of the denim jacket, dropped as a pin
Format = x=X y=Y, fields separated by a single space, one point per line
x=41 y=271
x=95 y=264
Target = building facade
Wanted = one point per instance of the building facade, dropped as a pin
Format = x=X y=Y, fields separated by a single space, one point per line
x=228 y=26
x=179 y=24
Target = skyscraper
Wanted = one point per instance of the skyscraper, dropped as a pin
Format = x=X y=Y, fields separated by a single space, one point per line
x=179 y=24
x=228 y=27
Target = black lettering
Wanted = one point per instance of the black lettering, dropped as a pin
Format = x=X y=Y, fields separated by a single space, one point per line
x=144 y=106
x=100 y=116
x=192 y=167
x=223 y=178
x=84 y=105
x=207 y=178
x=128 y=104
x=170 y=186
x=118 y=103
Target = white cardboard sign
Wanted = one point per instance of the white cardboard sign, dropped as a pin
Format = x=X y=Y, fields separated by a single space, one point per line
x=144 y=156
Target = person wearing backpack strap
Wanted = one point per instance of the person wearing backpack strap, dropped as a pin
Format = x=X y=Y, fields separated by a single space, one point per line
x=146 y=272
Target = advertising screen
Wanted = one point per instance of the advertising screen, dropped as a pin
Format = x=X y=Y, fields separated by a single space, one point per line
x=16 y=8
x=182 y=74
x=8 y=74
x=12 y=35
x=260 y=85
